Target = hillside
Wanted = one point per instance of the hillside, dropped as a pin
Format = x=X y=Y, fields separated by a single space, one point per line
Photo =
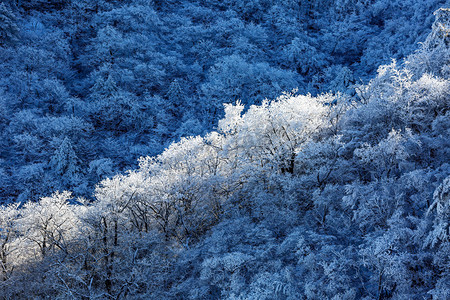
x=89 y=86
x=336 y=195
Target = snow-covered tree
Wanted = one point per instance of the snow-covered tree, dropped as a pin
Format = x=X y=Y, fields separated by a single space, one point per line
x=65 y=161
x=48 y=225
x=8 y=27
x=8 y=233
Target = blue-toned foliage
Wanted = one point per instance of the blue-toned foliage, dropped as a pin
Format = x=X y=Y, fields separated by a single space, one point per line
x=275 y=149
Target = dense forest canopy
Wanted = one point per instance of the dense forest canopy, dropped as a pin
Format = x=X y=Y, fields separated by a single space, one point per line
x=88 y=87
x=225 y=149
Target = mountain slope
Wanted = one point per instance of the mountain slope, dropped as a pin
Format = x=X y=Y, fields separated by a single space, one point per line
x=299 y=197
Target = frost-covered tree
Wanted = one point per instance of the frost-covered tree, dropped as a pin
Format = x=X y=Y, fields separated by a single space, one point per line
x=234 y=79
x=65 y=161
x=435 y=48
x=8 y=26
x=440 y=209
x=306 y=59
x=8 y=232
x=48 y=225
x=176 y=98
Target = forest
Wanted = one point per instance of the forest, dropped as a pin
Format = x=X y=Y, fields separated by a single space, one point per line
x=225 y=149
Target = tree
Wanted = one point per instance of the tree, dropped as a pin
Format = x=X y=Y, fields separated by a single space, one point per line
x=439 y=36
x=65 y=162
x=8 y=28
x=271 y=135
x=176 y=99
x=440 y=208
x=48 y=225
x=8 y=233
x=304 y=56
x=387 y=157
x=112 y=108
x=233 y=79
x=435 y=48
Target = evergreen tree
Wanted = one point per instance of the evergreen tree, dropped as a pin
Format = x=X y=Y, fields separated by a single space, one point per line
x=176 y=99
x=65 y=161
